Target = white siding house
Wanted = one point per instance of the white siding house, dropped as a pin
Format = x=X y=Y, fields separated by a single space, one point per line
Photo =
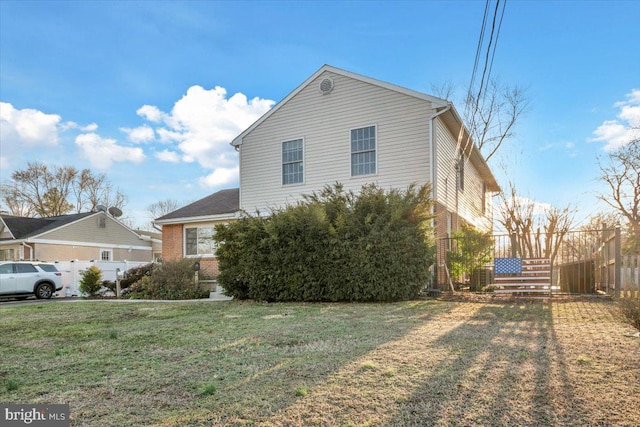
x=339 y=126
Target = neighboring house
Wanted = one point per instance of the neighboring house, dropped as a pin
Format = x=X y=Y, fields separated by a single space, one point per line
x=338 y=126
x=84 y=236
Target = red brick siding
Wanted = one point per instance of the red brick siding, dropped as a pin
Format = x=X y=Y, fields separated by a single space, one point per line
x=172 y=242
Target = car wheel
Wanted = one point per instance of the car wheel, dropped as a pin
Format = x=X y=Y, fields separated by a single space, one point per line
x=44 y=291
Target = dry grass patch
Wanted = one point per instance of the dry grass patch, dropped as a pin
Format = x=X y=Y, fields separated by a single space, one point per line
x=417 y=363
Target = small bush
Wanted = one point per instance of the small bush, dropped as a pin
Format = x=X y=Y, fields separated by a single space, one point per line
x=130 y=277
x=172 y=280
x=91 y=282
x=631 y=310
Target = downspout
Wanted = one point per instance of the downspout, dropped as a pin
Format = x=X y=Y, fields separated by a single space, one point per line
x=432 y=173
x=31 y=250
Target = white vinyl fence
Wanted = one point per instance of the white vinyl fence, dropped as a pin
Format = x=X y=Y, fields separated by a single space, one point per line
x=71 y=272
x=630 y=277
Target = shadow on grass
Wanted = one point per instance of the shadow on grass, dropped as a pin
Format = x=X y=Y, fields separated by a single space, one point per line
x=506 y=368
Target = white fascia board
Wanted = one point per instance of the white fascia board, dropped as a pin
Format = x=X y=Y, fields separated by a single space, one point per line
x=12 y=242
x=4 y=226
x=437 y=102
x=204 y=218
x=87 y=244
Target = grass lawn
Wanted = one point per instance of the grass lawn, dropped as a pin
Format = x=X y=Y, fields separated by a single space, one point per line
x=420 y=363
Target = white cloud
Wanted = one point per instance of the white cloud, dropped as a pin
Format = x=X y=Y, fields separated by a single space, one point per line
x=202 y=124
x=220 y=176
x=102 y=152
x=151 y=113
x=139 y=135
x=27 y=127
x=89 y=128
x=618 y=133
x=168 y=156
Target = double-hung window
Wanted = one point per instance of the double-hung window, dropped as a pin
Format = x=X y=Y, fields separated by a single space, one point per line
x=199 y=241
x=363 y=151
x=292 y=162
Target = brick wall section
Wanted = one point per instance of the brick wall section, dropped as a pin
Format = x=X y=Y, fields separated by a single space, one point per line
x=172 y=249
x=172 y=242
x=209 y=267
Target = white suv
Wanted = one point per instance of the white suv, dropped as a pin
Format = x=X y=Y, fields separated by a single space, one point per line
x=21 y=279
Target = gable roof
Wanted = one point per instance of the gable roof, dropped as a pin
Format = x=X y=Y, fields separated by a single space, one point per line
x=451 y=116
x=23 y=227
x=437 y=102
x=224 y=202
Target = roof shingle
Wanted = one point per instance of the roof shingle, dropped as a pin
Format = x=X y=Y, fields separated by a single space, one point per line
x=222 y=202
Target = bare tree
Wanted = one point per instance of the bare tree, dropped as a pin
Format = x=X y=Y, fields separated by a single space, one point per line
x=41 y=191
x=491 y=114
x=622 y=176
x=162 y=207
x=537 y=231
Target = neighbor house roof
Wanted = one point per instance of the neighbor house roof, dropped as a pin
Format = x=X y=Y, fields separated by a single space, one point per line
x=224 y=203
x=23 y=227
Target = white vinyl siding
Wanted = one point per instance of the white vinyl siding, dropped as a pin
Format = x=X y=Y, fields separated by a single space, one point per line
x=363 y=151
x=293 y=162
x=450 y=173
x=402 y=142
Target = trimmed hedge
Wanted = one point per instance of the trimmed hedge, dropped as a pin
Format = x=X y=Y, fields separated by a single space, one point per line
x=334 y=246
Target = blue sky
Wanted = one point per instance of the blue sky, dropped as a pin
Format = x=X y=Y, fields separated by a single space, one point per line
x=150 y=93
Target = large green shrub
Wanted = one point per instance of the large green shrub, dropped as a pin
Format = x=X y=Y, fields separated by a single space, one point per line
x=90 y=282
x=334 y=246
x=171 y=280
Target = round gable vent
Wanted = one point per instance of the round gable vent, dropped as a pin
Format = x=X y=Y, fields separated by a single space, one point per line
x=326 y=85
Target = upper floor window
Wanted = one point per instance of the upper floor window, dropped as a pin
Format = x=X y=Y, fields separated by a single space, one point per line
x=199 y=241
x=363 y=151
x=292 y=161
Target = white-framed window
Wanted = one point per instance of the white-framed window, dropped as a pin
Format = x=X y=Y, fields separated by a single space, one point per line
x=293 y=161
x=106 y=255
x=363 y=151
x=198 y=241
